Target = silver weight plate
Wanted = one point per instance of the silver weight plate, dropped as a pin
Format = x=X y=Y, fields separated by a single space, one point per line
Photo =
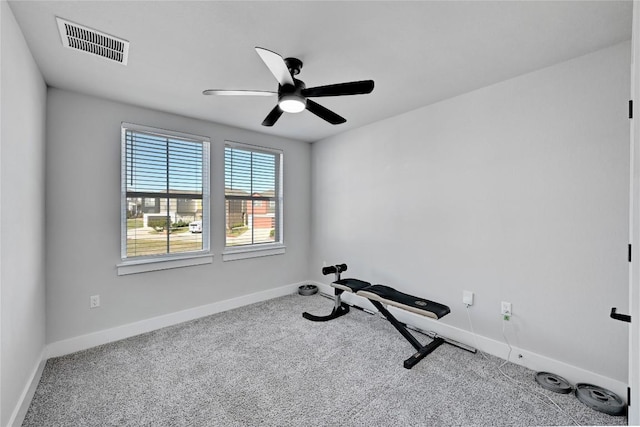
x=600 y=399
x=553 y=382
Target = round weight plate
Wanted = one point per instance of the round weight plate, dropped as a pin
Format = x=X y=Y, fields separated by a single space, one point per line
x=553 y=382
x=307 y=289
x=600 y=399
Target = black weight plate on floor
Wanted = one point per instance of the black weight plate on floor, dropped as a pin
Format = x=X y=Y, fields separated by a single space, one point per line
x=553 y=382
x=307 y=290
x=600 y=399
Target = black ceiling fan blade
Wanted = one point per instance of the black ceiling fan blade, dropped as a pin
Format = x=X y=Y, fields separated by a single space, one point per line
x=273 y=116
x=276 y=65
x=324 y=113
x=351 y=88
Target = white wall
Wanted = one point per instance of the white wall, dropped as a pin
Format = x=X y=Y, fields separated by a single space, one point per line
x=517 y=192
x=22 y=262
x=83 y=221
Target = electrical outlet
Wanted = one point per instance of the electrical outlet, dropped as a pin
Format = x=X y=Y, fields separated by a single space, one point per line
x=505 y=308
x=94 y=301
x=467 y=298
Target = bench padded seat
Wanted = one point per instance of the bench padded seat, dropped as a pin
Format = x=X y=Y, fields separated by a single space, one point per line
x=350 y=285
x=390 y=296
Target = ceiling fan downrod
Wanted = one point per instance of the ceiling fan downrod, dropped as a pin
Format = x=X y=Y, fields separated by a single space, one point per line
x=294 y=65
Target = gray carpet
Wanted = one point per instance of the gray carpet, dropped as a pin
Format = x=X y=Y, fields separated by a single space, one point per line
x=265 y=365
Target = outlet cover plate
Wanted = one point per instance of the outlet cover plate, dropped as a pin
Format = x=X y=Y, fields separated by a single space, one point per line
x=94 y=302
x=467 y=297
x=505 y=308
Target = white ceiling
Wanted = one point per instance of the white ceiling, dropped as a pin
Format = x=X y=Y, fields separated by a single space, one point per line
x=417 y=52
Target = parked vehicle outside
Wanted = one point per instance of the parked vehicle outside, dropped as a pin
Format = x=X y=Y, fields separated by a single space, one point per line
x=195 y=227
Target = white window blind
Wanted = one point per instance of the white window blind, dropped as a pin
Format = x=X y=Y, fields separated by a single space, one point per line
x=253 y=195
x=165 y=192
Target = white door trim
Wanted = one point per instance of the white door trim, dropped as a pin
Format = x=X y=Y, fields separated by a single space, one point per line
x=634 y=228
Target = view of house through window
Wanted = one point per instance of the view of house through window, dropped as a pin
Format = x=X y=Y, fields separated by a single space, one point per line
x=252 y=195
x=165 y=193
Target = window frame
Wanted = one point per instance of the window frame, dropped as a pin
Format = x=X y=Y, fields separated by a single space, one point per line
x=143 y=263
x=232 y=253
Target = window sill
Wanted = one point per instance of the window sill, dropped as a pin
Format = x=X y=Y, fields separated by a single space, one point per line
x=145 y=265
x=233 y=254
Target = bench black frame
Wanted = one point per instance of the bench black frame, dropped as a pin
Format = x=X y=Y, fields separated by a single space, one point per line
x=340 y=308
x=422 y=350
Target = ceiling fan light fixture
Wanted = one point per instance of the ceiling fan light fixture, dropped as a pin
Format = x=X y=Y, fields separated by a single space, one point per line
x=292 y=103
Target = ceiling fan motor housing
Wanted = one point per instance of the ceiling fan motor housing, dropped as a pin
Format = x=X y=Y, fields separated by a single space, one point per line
x=290 y=98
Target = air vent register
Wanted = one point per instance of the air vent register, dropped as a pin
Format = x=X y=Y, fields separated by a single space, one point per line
x=94 y=42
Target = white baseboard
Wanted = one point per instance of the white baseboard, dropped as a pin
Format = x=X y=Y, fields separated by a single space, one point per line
x=20 y=411
x=83 y=342
x=531 y=360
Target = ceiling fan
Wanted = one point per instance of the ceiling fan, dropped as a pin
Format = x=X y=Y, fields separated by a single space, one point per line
x=293 y=94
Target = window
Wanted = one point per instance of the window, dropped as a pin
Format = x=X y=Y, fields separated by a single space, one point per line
x=165 y=194
x=253 y=197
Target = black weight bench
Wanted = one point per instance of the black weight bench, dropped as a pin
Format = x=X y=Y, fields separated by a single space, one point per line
x=381 y=295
